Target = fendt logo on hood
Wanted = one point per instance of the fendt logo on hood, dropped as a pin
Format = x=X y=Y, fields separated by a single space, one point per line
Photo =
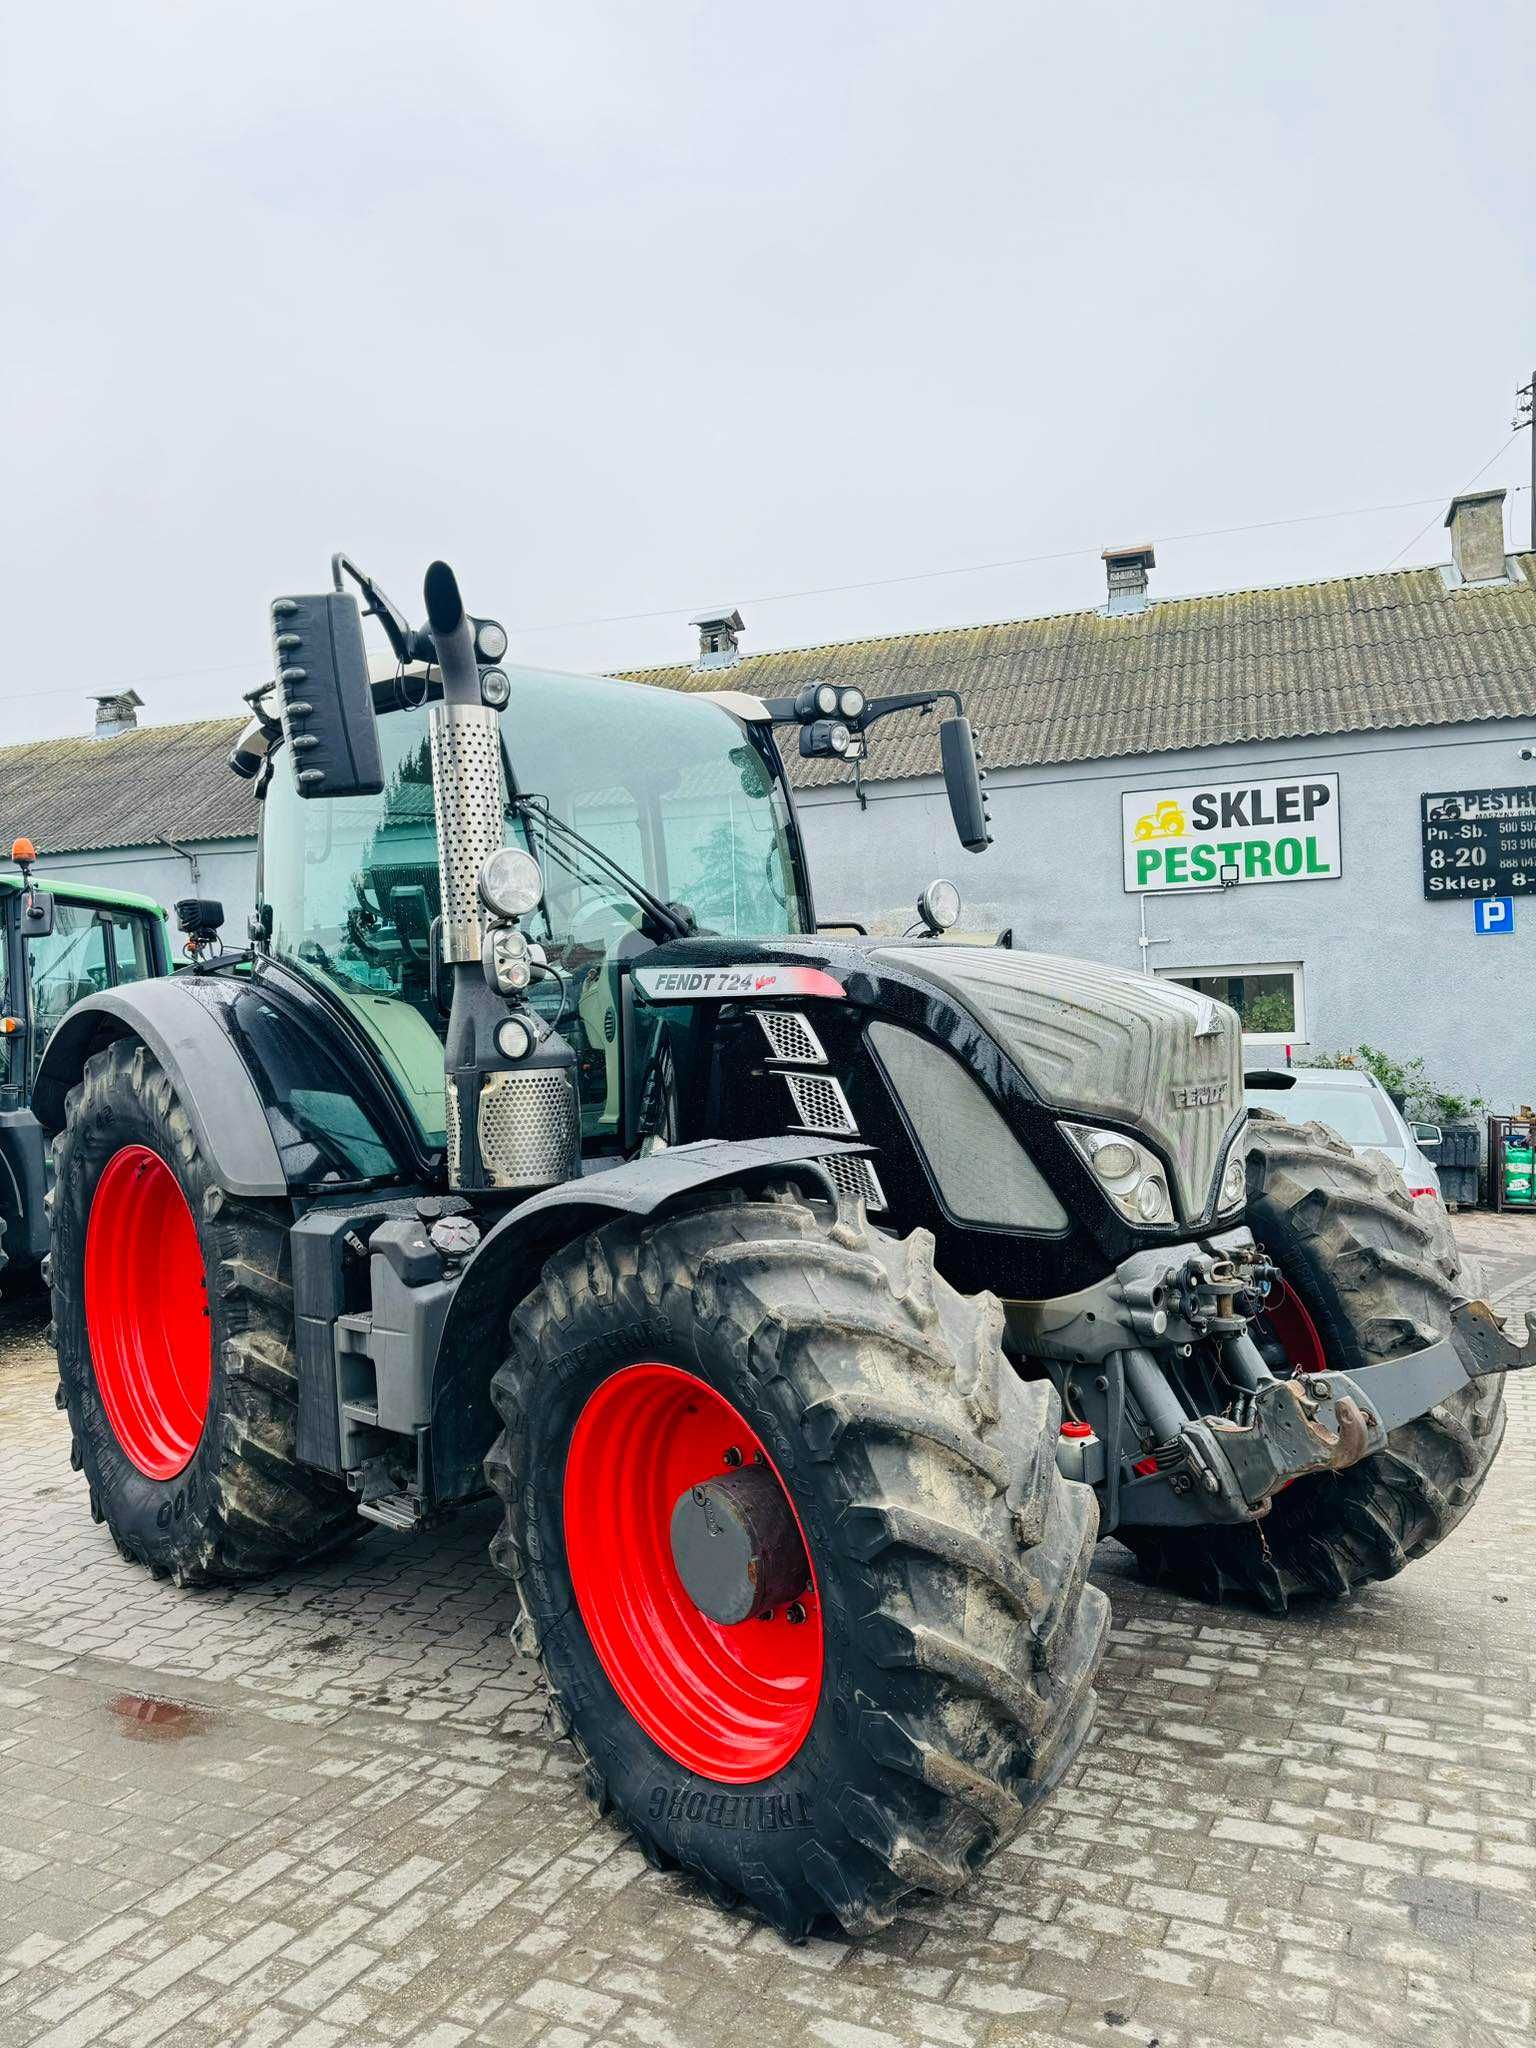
x=1198 y=1094
x=731 y=984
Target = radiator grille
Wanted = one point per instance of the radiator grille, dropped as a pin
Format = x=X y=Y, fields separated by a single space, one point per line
x=452 y=1120
x=529 y=1132
x=820 y=1104
x=853 y=1176
x=790 y=1037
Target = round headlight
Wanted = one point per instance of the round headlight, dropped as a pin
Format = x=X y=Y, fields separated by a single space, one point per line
x=1151 y=1199
x=1113 y=1160
x=837 y=739
x=850 y=702
x=939 y=906
x=826 y=699
x=490 y=640
x=510 y=883
x=1234 y=1182
x=513 y=1038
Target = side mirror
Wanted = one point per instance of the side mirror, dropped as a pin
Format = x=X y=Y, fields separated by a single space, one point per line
x=1426 y=1136
x=37 y=914
x=963 y=774
x=324 y=695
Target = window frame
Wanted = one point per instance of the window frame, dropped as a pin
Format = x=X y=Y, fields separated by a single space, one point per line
x=1296 y=969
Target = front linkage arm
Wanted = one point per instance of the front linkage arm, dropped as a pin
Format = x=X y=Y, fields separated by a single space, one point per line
x=1326 y=1422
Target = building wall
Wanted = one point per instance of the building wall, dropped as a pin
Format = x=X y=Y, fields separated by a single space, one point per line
x=226 y=870
x=1380 y=963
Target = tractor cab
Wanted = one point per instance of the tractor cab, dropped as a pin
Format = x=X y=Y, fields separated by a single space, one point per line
x=679 y=793
x=60 y=943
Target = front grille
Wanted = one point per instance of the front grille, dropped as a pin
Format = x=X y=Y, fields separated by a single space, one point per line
x=790 y=1037
x=529 y=1132
x=853 y=1176
x=820 y=1104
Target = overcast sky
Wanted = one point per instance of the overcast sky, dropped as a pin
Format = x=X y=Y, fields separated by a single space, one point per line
x=627 y=308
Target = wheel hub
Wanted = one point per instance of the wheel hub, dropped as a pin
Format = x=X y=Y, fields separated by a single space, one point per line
x=737 y=1547
x=674 y=1517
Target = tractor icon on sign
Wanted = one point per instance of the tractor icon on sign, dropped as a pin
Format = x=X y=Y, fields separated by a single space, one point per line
x=1166 y=821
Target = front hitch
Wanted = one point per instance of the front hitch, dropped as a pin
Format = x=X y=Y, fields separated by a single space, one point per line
x=1229 y=1468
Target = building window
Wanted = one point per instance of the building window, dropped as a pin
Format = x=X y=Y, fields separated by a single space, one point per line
x=1267 y=997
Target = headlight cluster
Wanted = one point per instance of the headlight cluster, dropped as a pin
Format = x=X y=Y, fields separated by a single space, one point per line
x=1129 y=1174
x=1234 y=1180
x=506 y=959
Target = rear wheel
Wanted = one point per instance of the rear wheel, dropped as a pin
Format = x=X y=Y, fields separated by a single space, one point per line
x=808 y=1590
x=173 y=1318
x=1368 y=1275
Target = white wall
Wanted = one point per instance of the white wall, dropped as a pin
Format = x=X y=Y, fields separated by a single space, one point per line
x=226 y=869
x=1381 y=964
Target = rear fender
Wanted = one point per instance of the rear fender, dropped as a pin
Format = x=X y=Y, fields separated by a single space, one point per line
x=181 y=1020
x=509 y=1261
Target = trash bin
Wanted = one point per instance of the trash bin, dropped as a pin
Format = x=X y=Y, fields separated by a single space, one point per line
x=1456 y=1164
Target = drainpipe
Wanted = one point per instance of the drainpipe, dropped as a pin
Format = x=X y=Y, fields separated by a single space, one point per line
x=189 y=857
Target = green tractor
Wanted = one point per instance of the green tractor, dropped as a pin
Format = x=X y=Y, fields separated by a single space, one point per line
x=813 y=1303
x=59 y=942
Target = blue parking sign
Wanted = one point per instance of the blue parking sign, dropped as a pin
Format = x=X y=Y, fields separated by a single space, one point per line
x=1493 y=914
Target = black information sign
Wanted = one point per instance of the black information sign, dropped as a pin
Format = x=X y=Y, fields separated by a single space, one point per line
x=1479 y=842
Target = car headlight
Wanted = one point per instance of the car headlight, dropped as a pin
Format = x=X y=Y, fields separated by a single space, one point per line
x=1234 y=1181
x=1130 y=1175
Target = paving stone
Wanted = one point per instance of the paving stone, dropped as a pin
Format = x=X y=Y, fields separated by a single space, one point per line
x=1320 y=1830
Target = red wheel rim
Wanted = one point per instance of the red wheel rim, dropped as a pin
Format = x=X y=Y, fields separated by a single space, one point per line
x=732 y=1703
x=146 y=1312
x=1287 y=1315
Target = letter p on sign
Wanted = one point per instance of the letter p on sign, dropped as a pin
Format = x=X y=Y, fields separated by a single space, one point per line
x=1493 y=914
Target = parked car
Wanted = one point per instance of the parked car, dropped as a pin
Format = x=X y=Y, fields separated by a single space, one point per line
x=1354 y=1105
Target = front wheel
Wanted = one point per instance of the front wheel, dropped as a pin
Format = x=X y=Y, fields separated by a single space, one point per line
x=807 y=1588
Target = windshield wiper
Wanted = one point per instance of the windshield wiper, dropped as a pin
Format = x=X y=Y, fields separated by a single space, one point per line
x=676 y=920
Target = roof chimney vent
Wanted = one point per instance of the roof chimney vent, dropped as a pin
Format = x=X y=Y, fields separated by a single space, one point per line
x=115 y=714
x=719 y=636
x=1476 y=520
x=1126 y=569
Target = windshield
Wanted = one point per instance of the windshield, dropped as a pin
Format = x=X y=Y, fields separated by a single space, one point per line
x=1359 y=1115
x=666 y=784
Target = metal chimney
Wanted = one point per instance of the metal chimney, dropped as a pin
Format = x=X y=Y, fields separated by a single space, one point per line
x=719 y=641
x=1126 y=571
x=116 y=714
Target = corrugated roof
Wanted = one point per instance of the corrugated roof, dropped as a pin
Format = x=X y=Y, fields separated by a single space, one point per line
x=1352 y=654
x=161 y=781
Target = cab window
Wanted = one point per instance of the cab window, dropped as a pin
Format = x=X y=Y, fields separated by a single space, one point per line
x=133 y=956
x=69 y=964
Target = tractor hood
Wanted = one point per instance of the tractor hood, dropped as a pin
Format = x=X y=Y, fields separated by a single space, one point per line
x=1101 y=1043
x=1091 y=1042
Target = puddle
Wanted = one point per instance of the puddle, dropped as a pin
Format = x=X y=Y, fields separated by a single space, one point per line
x=146 y=1719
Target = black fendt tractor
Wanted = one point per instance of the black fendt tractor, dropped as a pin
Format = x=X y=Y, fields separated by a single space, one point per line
x=813 y=1304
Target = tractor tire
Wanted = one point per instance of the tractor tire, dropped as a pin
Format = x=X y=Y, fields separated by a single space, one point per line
x=881 y=1733
x=173 y=1322
x=1368 y=1276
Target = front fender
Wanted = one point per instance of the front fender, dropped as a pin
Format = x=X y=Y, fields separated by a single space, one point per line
x=181 y=1019
x=508 y=1262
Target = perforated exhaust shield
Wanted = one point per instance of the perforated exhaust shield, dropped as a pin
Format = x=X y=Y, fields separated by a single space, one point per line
x=466 y=796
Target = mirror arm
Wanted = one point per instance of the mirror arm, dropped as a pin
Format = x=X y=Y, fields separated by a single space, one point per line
x=409 y=643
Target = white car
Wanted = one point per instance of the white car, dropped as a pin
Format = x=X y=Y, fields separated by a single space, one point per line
x=1355 y=1106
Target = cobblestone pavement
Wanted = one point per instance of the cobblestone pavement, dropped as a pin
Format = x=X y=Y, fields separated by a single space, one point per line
x=323 y=1811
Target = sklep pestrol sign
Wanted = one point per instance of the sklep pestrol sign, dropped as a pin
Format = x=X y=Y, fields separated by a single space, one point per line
x=1198 y=835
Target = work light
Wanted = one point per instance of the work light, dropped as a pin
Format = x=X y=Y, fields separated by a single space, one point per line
x=510 y=883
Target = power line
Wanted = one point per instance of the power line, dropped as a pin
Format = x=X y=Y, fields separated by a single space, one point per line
x=673 y=611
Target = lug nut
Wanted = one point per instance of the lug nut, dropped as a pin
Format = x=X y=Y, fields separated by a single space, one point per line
x=794 y=1611
x=733 y=1456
